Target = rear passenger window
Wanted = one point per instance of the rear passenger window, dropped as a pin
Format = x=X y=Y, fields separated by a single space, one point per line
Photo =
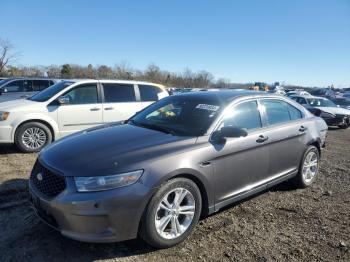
x=115 y=93
x=294 y=112
x=245 y=115
x=149 y=93
x=276 y=111
x=39 y=85
x=27 y=85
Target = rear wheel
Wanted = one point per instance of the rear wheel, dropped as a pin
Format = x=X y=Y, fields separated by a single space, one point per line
x=172 y=213
x=32 y=137
x=308 y=169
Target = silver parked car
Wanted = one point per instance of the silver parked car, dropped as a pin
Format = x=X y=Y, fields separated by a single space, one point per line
x=16 y=88
x=182 y=157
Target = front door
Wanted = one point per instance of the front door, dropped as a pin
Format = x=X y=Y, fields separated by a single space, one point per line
x=240 y=163
x=83 y=110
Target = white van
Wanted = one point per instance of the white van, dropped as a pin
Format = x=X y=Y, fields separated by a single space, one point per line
x=71 y=106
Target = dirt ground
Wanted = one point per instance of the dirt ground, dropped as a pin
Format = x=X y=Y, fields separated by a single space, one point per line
x=283 y=224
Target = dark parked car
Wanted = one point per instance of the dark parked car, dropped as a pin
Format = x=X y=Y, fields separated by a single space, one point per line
x=331 y=113
x=181 y=157
x=15 y=88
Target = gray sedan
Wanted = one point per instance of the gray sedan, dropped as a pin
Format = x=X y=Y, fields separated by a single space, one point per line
x=181 y=158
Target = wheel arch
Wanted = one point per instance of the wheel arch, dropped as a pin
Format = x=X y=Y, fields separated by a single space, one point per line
x=202 y=189
x=53 y=133
x=317 y=144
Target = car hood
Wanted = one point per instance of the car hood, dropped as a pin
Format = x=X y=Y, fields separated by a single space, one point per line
x=109 y=150
x=16 y=104
x=335 y=110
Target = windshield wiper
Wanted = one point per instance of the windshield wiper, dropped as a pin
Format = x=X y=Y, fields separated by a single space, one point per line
x=154 y=127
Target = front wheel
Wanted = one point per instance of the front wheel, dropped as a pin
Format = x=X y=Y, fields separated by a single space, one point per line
x=32 y=137
x=172 y=213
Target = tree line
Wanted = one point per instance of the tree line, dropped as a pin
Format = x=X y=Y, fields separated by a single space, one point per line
x=153 y=73
x=184 y=79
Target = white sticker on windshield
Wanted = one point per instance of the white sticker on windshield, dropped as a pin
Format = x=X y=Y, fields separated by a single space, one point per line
x=208 y=107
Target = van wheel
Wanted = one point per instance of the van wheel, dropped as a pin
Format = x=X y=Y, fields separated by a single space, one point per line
x=308 y=169
x=32 y=137
x=172 y=213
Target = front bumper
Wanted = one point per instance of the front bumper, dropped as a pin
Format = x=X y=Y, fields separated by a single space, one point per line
x=105 y=216
x=338 y=120
x=6 y=134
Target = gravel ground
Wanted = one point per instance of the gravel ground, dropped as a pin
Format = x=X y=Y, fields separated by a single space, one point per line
x=283 y=224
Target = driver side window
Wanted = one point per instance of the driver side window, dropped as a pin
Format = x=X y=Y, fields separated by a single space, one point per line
x=83 y=95
x=245 y=115
x=14 y=86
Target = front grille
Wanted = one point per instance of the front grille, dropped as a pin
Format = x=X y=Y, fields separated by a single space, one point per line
x=47 y=182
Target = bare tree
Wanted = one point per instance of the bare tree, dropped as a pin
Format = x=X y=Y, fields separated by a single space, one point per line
x=6 y=55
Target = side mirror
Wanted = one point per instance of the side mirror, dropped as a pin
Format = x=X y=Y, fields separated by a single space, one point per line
x=228 y=131
x=317 y=112
x=63 y=100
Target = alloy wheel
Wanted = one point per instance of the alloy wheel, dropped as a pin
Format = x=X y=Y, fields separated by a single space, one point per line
x=34 y=138
x=310 y=166
x=175 y=213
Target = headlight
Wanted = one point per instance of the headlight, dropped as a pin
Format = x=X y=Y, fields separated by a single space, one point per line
x=99 y=183
x=4 y=115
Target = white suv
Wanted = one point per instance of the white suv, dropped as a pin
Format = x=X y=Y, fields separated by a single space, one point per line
x=71 y=106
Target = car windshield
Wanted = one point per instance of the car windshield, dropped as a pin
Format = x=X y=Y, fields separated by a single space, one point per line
x=342 y=102
x=47 y=93
x=4 y=81
x=179 y=115
x=322 y=102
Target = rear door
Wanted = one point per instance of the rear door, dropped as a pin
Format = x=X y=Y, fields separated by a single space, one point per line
x=286 y=136
x=120 y=102
x=84 y=109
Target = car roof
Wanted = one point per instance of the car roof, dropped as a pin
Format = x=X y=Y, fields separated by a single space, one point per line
x=225 y=96
x=31 y=78
x=308 y=96
x=132 y=82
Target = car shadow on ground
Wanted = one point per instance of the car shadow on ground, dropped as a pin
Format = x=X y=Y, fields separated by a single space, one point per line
x=25 y=237
x=334 y=128
x=6 y=149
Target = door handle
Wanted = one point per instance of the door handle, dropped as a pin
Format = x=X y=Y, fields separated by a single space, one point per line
x=205 y=164
x=109 y=108
x=302 y=129
x=94 y=109
x=262 y=139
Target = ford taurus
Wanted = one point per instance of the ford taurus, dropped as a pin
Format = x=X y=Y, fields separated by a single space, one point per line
x=181 y=158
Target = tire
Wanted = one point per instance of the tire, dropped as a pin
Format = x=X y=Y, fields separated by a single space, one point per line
x=345 y=126
x=304 y=179
x=150 y=229
x=41 y=133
